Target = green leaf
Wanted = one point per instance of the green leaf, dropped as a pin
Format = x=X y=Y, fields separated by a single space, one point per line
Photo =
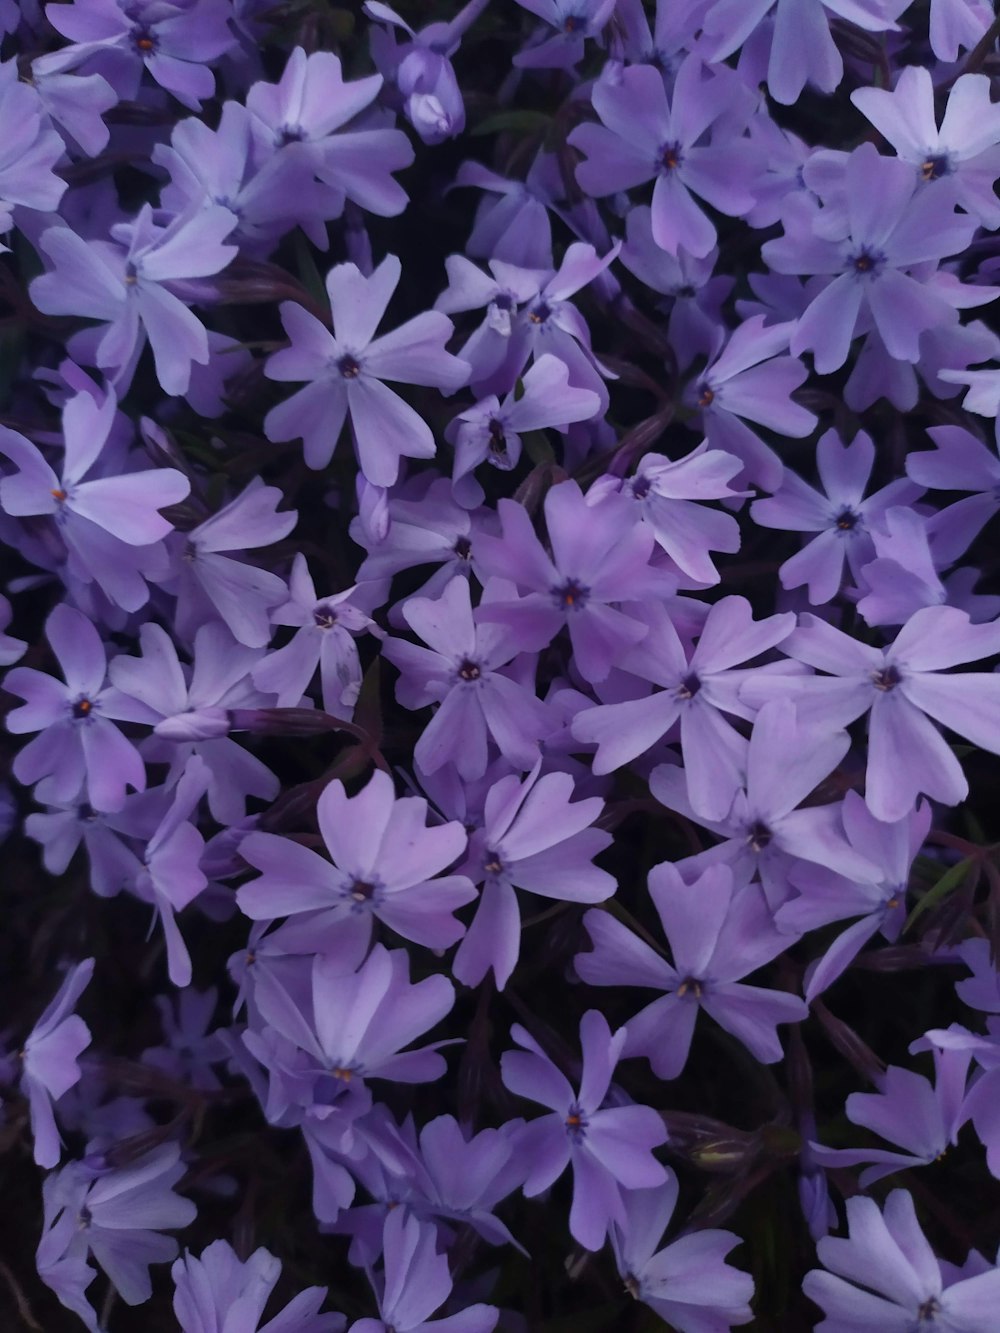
x=948 y=882
x=526 y=121
x=537 y=447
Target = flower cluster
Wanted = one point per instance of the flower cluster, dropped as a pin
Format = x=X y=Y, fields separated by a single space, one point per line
x=503 y=700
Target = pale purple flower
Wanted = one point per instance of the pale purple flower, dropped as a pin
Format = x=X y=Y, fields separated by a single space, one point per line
x=176 y=43
x=957 y=23
x=415 y=1282
x=125 y=285
x=209 y=583
x=885 y=1275
x=325 y=637
x=963 y=155
x=697 y=688
x=903 y=688
x=462 y=671
x=880 y=226
x=879 y=904
x=77 y=103
x=219 y=1293
x=719 y=931
x=79 y=743
x=115 y=1215
x=514 y=226
x=688 y=1282
x=764 y=830
x=748 y=378
x=609 y=1148
x=644 y=136
x=30 y=150
x=491 y=431
x=600 y=557
x=839 y=513
x=346 y=370
x=573 y=20
x=532 y=838
x=49 y=1060
x=11 y=649
x=502 y=293
x=307 y=111
x=387 y=864
x=101 y=518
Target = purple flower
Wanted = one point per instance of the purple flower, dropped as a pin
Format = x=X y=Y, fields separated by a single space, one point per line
x=922 y=1118
x=125 y=285
x=960 y=461
x=885 y=1275
x=50 y=1066
x=116 y=1215
x=415 y=1281
x=963 y=155
x=347 y=369
x=532 y=838
x=306 y=111
x=30 y=150
x=866 y=239
x=718 y=931
x=840 y=514
x=102 y=519
x=764 y=831
x=687 y=1283
x=697 y=688
x=802 y=49
x=176 y=43
x=903 y=688
x=462 y=672
x=491 y=431
x=745 y=380
x=385 y=865
x=880 y=905
x=668 y=494
x=218 y=1292
x=514 y=226
x=608 y=1148
x=600 y=555
x=190 y=712
x=79 y=743
x=574 y=21
x=210 y=584
x=643 y=136
x=325 y=637
x=957 y=23
x=11 y=649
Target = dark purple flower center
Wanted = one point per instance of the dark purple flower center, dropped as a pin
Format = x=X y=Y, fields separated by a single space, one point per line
x=576 y=1124
x=886 y=679
x=690 y=986
x=934 y=166
x=349 y=367
x=131 y=275
x=671 y=156
x=463 y=548
x=571 y=595
x=84 y=1218
x=847 y=520
x=503 y=301
x=866 y=262
x=706 y=395
x=929 y=1309
x=85 y=813
x=290 y=134
x=758 y=836
x=83 y=708
x=641 y=487
x=363 y=891
x=688 y=687
x=632 y=1285
x=498 y=440
x=325 y=617
x=469 y=670
x=492 y=863
x=540 y=313
x=573 y=23
x=144 y=39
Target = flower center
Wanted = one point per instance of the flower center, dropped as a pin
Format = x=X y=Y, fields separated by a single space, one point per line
x=349 y=367
x=576 y=1124
x=641 y=487
x=540 y=313
x=144 y=39
x=758 y=836
x=706 y=396
x=847 y=520
x=887 y=679
x=670 y=156
x=688 y=687
x=632 y=1285
x=325 y=617
x=498 y=440
x=928 y=1310
x=866 y=262
x=469 y=670
x=59 y=495
x=689 y=986
x=82 y=708
x=934 y=166
x=493 y=864
x=363 y=891
x=463 y=548
x=570 y=596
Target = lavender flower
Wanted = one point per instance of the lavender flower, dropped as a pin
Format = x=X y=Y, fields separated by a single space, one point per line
x=385 y=865
x=719 y=931
x=347 y=369
x=218 y=1292
x=50 y=1066
x=608 y=1148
